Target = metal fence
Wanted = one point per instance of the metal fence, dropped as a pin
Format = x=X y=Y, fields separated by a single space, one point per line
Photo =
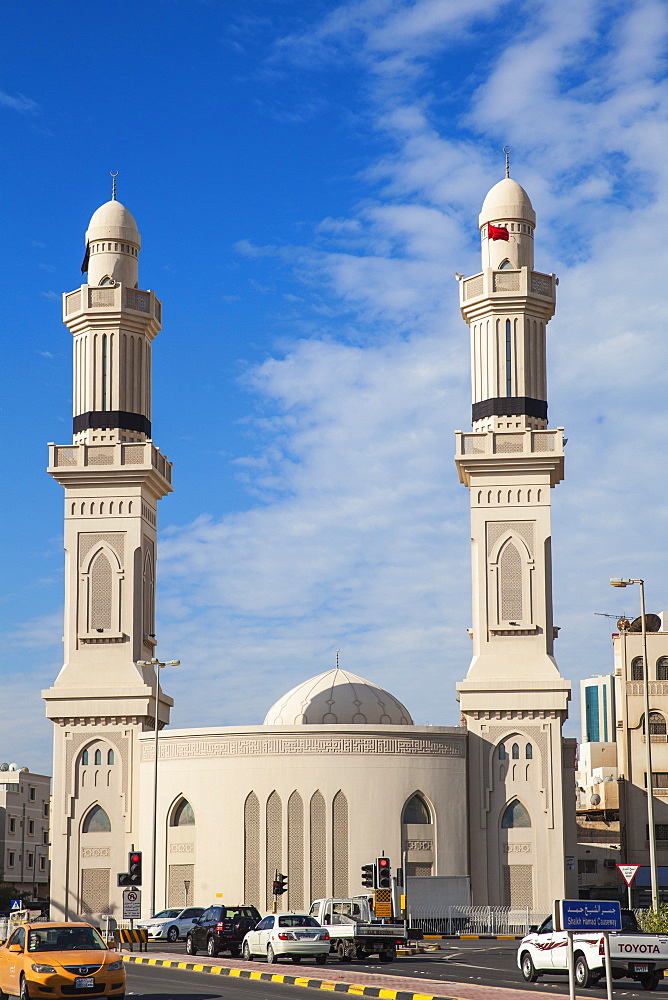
x=476 y=920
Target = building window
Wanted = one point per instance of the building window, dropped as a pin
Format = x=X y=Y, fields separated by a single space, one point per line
x=84 y=757
x=10 y=859
x=45 y=809
x=45 y=836
x=31 y=860
x=591 y=714
x=515 y=816
x=529 y=752
x=110 y=757
x=516 y=751
x=98 y=756
x=416 y=811
x=32 y=793
x=42 y=864
x=509 y=372
x=183 y=814
x=31 y=827
x=587 y=867
x=637 y=668
x=659 y=779
x=657 y=724
x=12 y=824
x=662 y=668
x=96 y=821
x=660 y=831
x=502 y=751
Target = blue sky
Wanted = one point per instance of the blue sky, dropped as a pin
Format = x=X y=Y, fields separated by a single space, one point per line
x=307 y=179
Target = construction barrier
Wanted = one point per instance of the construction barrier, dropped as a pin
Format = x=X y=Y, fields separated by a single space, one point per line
x=127 y=936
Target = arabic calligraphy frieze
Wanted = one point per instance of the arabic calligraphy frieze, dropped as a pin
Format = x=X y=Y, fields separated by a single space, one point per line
x=292 y=746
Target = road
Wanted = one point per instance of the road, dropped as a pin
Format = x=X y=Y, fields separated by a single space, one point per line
x=481 y=963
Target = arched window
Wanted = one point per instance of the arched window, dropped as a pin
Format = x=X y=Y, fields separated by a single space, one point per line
x=662 y=668
x=98 y=756
x=510 y=584
x=183 y=814
x=637 y=668
x=96 y=821
x=84 y=757
x=516 y=752
x=504 y=265
x=502 y=751
x=416 y=810
x=515 y=815
x=657 y=724
x=110 y=757
x=529 y=751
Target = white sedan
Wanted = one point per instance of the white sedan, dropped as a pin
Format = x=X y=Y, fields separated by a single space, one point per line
x=295 y=935
x=170 y=925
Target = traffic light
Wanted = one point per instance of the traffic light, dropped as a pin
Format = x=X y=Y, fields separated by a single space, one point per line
x=280 y=884
x=369 y=876
x=134 y=868
x=383 y=868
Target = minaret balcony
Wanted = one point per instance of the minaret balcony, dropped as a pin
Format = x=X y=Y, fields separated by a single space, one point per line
x=508 y=289
x=510 y=451
x=100 y=302
x=137 y=461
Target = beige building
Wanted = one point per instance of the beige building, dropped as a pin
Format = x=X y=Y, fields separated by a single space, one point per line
x=24 y=830
x=337 y=773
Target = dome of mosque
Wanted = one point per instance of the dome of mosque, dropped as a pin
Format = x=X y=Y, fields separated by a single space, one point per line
x=113 y=221
x=337 y=697
x=507 y=200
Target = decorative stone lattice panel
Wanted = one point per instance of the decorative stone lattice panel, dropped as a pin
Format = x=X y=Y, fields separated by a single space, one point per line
x=100 y=455
x=473 y=287
x=133 y=454
x=340 y=845
x=318 y=847
x=510 y=584
x=176 y=891
x=100 y=593
x=295 y=852
x=518 y=885
x=506 y=444
x=495 y=529
x=274 y=844
x=252 y=851
x=114 y=539
x=283 y=746
x=506 y=281
x=95 y=890
x=421 y=868
x=541 y=284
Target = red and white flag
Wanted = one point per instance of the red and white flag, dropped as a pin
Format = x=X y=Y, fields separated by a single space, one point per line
x=497 y=232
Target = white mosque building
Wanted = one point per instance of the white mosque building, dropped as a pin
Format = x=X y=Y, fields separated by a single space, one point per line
x=338 y=772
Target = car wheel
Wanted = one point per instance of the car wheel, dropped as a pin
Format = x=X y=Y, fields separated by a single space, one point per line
x=528 y=971
x=651 y=980
x=583 y=976
x=190 y=947
x=173 y=934
x=212 y=947
x=234 y=950
x=320 y=959
x=23 y=993
x=388 y=954
x=247 y=952
x=296 y=959
x=271 y=957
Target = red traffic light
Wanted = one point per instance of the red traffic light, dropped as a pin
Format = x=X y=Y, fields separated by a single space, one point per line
x=134 y=858
x=383 y=862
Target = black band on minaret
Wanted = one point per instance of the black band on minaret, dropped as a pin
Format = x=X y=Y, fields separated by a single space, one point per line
x=112 y=418
x=510 y=406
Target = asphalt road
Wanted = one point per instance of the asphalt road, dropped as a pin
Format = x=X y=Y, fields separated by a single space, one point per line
x=482 y=963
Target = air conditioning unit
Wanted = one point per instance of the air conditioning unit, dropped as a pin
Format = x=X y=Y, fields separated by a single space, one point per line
x=609 y=863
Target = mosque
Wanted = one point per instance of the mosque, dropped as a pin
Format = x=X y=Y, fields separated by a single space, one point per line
x=337 y=773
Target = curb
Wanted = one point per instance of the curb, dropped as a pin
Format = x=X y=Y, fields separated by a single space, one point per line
x=272 y=977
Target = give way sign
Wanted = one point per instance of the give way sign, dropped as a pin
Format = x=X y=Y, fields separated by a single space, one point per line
x=628 y=872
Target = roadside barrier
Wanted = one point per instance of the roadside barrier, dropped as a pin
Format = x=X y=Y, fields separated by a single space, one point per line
x=127 y=936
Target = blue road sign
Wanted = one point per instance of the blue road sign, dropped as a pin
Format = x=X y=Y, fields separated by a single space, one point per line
x=590 y=915
x=16 y=904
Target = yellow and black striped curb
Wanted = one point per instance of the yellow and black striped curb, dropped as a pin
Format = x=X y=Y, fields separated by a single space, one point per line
x=274 y=977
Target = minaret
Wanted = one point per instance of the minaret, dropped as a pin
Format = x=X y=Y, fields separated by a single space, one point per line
x=113 y=477
x=513 y=700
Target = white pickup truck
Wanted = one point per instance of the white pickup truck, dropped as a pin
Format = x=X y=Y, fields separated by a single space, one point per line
x=633 y=955
x=352 y=932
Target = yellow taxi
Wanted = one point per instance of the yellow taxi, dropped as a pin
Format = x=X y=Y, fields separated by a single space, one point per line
x=59 y=960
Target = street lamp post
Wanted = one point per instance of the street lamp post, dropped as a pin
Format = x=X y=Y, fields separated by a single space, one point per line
x=624 y=582
x=154 y=848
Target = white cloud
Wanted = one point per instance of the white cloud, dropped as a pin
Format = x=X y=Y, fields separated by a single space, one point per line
x=18 y=102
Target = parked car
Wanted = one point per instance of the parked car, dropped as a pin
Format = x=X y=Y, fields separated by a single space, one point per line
x=295 y=935
x=221 y=928
x=61 y=960
x=170 y=925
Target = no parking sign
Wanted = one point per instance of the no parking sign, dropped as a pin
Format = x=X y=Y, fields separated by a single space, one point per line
x=131 y=904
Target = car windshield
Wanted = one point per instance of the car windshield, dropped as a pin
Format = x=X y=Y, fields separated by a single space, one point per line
x=65 y=939
x=166 y=915
x=297 y=920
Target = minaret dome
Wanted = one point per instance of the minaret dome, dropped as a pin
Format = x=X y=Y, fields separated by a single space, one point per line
x=113 y=243
x=508 y=205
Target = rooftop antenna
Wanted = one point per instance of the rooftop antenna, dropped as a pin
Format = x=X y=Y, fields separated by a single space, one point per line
x=113 y=176
x=507 y=150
